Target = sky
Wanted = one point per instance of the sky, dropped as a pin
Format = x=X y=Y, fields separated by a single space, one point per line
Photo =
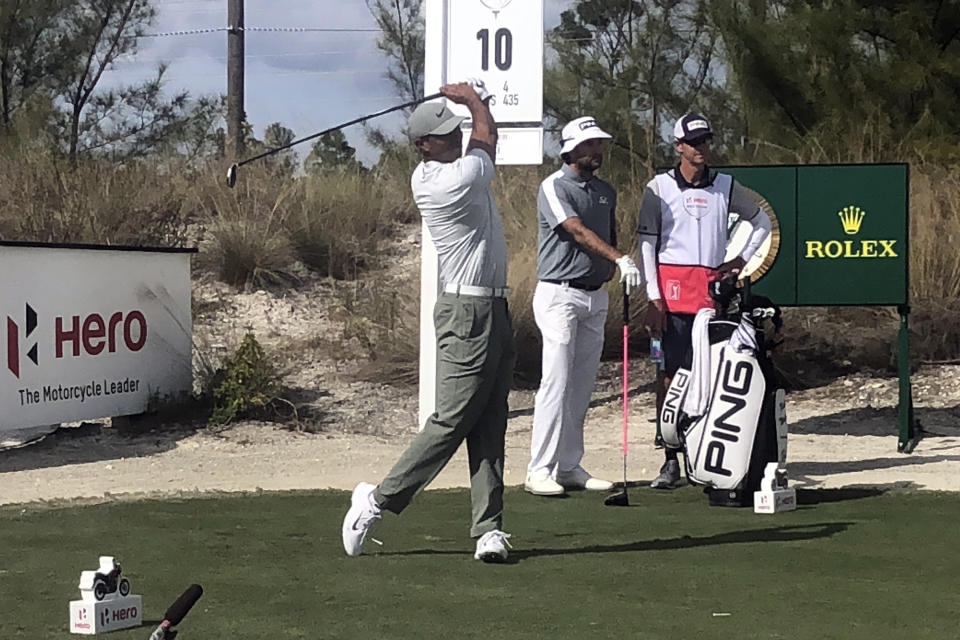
x=306 y=80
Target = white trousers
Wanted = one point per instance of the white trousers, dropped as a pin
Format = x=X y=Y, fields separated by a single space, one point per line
x=571 y=323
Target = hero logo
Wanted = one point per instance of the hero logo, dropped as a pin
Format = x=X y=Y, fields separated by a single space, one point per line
x=13 y=340
x=73 y=335
x=736 y=386
x=108 y=615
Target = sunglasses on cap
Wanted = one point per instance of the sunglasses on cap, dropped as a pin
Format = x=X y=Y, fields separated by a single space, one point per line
x=696 y=142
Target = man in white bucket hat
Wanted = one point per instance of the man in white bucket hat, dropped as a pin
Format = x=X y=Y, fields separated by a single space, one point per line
x=576 y=255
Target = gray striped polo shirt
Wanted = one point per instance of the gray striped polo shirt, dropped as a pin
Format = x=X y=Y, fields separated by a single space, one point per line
x=564 y=194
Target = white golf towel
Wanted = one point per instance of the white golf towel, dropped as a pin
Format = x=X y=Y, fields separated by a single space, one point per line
x=744 y=337
x=698 y=389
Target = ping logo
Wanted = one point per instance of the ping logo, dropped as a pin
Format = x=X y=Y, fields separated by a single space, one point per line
x=13 y=340
x=851 y=217
x=588 y=124
x=726 y=426
x=674 y=398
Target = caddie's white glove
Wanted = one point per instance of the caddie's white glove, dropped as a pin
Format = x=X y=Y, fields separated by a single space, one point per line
x=479 y=86
x=629 y=274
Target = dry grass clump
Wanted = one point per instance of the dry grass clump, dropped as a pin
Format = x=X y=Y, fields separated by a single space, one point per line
x=42 y=200
x=271 y=225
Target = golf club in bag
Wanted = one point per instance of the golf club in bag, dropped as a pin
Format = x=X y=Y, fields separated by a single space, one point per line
x=621 y=499
x=232 y=171
x=726 y=406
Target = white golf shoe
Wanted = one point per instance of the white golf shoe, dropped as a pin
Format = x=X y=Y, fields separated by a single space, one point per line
x=492 y=546
x=539 y=483
x=578 y=478
x=360 y=517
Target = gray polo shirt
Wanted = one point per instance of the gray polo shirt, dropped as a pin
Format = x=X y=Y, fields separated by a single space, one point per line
x=564 y=194
x=455 y=201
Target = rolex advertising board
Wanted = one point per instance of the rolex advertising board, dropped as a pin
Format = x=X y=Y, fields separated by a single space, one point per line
x=852 y=235
x=90 y=332
x=841 y=233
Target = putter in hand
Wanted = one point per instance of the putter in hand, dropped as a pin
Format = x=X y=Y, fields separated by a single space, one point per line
x=621 y=499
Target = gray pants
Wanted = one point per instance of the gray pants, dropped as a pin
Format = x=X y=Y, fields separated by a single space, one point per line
x=475 y=357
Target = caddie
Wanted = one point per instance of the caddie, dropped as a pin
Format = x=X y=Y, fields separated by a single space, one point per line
x=682 y=236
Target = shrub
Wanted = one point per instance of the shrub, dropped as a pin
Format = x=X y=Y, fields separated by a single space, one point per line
x=244 y=385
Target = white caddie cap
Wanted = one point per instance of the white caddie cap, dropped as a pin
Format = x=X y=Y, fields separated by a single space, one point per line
x=576 y=131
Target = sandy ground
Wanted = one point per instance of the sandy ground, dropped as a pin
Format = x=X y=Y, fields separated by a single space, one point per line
x=843 y=435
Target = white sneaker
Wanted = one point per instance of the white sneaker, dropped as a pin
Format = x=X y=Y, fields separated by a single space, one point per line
x=362 y=514
x=578 y=478
x=539 y=483
x=492 y=546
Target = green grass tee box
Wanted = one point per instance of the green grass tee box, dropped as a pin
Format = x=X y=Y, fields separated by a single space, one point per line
x=847 y=564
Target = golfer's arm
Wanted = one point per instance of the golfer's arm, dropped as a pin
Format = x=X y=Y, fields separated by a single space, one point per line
x=484 y=133
x=589 y=240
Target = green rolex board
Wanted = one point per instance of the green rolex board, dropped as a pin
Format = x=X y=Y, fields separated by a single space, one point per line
x=843 y=233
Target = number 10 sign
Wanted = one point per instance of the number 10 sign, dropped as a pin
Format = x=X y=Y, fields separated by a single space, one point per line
x=501 y=42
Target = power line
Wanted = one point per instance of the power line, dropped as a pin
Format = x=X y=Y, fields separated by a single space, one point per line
x=136 y=58
x=191 y=32
x=260 y=29
x=272 y=72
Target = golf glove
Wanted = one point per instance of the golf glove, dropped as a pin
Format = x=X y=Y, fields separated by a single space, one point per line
x=479 y=87
x=629 y=274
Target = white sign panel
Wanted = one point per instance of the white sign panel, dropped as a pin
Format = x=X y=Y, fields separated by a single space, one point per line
x=516 y=145
x=501 y=42
x=91 y=333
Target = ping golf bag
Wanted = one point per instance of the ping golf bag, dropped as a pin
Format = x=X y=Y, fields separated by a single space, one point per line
x=727 y=410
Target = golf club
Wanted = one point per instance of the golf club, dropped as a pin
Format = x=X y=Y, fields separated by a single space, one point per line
x=621 y=499
x=232 y=171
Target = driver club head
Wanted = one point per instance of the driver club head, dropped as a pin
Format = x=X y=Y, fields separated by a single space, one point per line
x=618 y=499
x=232 y=175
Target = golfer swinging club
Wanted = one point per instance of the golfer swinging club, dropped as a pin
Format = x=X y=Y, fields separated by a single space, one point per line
x=475 y=350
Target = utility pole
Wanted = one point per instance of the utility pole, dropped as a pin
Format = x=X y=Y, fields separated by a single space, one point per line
x=235 y=112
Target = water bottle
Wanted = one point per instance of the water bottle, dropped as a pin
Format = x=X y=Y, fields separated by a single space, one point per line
x=656 y=352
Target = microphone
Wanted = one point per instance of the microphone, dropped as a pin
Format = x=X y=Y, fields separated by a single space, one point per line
x=177 y=611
